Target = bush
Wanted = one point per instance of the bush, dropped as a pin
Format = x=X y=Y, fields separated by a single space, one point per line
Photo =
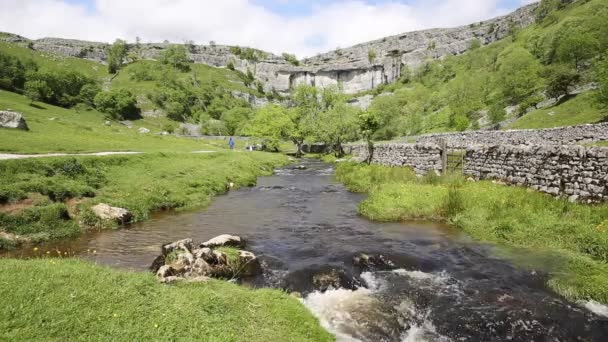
x=142 y=71
x=177 y=57
x=291 y=59
x=118 y=104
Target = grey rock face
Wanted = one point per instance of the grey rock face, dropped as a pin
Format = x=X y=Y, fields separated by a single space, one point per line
x=349 y=67
x=14 y=120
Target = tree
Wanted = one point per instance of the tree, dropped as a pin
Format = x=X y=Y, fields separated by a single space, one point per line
x=369 y=122
x=272 y=124
x=601 y=75
x=116 y=55
x=560 y=78
x=177 y=57
x=234 y=119
x=577 y=47
x=37 y=90
x=304 y=116
x=88 y=92
x=339 y=126
x=119 y=104
x=518 y=75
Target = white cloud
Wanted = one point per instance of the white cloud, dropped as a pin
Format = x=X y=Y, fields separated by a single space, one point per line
x=240 y=22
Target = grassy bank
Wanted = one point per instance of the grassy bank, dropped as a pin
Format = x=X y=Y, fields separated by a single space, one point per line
x=74 y=300
x=574 y=236
x=44 y=199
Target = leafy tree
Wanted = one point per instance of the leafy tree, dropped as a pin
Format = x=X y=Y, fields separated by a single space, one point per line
x=271 y=123
x=177 y=57
x=497 y=113
x=518 y=75
x=577 y=47
x=340 y=125
x=304 y=116
x=65 y=85
x=88 y=92
x=235 y=118
x=13 y=71
x=118 y=104
x=116 y=55
x=601 y=76
x=560 y=78
x=369 y=122
x=37 y=90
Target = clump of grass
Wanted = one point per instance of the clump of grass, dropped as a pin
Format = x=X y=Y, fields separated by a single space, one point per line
x=67 y=298
x=510 y=216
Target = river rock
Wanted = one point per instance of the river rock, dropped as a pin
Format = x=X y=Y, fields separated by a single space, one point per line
x=107 y=212
x=332 y=279
x=224 y=240
x=248 y=264
x=372 y=262
x=181 y=245
x=9 y=119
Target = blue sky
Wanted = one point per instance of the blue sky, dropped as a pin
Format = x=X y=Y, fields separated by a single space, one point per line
x=303 y=27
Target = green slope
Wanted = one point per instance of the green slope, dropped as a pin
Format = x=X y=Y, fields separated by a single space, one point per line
x=56 y=129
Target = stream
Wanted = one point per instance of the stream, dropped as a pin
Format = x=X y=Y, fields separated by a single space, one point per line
x=441 y=286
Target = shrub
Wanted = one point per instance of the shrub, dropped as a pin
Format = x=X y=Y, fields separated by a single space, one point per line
x=291 y=59
x=118 y=104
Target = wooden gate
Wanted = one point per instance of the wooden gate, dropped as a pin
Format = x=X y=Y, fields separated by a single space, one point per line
x=452 y=160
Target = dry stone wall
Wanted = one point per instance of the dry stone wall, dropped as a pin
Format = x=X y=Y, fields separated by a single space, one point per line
x=577 y=172
x=421 y=157
x=551 y=136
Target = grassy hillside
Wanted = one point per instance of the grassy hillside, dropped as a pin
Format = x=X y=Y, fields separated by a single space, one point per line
x=76 y=301
x=56 y=129
x=581 y=109
x=565 y=49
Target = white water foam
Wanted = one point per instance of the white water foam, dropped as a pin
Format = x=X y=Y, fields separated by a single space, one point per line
x=596 y=307
x=441 y=277
x=335 y=309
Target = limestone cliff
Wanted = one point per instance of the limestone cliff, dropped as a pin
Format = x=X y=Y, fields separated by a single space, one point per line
x=349 y=67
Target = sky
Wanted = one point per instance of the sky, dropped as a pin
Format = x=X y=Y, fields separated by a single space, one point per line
x=302 y=27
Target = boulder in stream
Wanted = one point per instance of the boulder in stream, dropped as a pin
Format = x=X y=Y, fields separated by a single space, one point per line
x=372 y=262
x=107 y=212
x=180 y=261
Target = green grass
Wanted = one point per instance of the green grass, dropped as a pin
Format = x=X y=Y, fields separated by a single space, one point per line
x=581 y=109
x=46 y=59
x=56 y=129
x=77 y=301
x=141 y=183
x=574 y=235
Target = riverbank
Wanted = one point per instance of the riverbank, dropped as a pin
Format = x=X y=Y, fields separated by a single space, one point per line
x=68 y=299
x=51 y=198
x=574 y=237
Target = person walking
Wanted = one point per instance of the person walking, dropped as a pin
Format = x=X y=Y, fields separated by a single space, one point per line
x=231 y=143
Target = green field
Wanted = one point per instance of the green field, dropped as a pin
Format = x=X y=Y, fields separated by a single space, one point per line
x=60 y=300
x=56 y=129
x=572 y=236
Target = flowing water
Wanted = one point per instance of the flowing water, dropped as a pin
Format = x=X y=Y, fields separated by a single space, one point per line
x=300 y=222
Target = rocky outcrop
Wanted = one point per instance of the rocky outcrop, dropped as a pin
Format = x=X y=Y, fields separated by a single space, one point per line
x=180 y=260
x=107 y=212
x=9 y=119
x=349 y=67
